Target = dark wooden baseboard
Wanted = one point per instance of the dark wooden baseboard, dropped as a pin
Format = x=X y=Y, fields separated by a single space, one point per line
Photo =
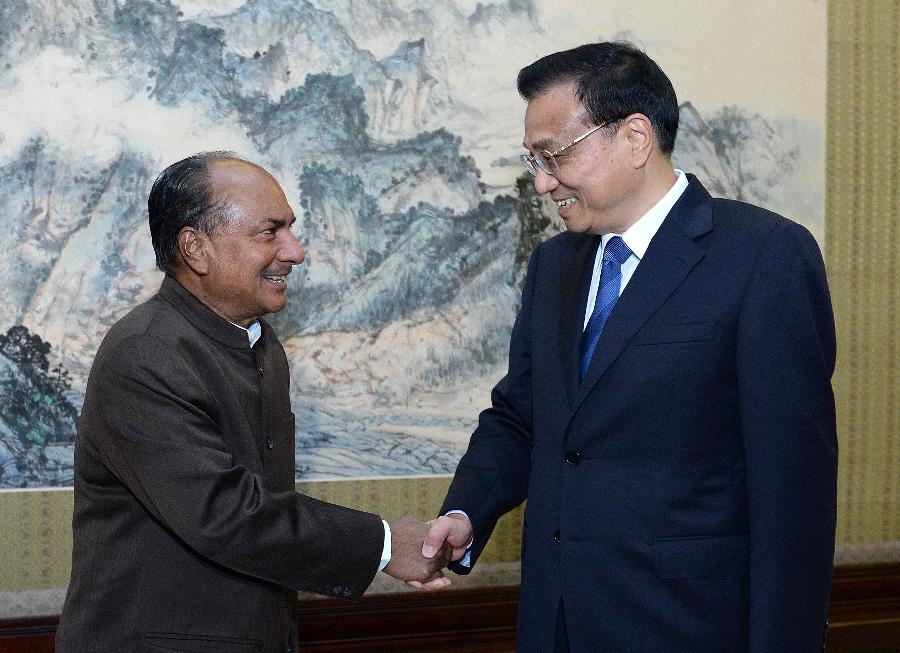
x=462 y=620
x=865 y=609
x=30 y=635
x=864 y=616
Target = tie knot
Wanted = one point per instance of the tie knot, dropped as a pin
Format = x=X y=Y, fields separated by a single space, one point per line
x=616 y=250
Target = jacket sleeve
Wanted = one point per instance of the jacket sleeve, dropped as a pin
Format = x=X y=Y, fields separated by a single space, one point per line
x=150 y=424
x=785 y=359
x=492 y=477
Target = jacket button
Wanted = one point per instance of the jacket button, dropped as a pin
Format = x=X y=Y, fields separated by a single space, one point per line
x=556 y=535
x=348 y=592
x=337 y=589
x=573 y=457
x=270 y=443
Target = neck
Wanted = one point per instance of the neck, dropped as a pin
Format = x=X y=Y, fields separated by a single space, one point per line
x=193 y=283
x=656 y=179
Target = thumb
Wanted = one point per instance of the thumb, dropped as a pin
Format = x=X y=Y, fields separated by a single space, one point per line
x=434 y=539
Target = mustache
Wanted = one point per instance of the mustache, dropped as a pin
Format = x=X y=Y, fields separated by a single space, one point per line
x=281 y=271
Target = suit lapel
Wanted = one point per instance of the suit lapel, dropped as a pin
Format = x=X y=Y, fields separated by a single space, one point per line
x=672 y=254
x=575 y=282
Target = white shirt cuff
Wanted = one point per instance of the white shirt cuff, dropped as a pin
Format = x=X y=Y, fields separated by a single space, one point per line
x=386 y=550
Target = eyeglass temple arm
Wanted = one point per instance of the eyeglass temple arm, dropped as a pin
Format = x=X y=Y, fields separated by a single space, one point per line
x=582 y=137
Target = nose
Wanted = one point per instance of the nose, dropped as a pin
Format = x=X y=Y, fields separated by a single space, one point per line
x=544 y=183
x=291 y=251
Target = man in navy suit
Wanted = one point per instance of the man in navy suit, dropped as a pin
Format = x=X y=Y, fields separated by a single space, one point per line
x=668 y=411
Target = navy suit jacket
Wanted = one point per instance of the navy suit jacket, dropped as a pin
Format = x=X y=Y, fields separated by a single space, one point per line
x=681 y=498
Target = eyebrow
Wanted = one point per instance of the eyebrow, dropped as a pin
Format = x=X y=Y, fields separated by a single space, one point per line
x=543 y=144
x=547 y=143
x=279 y=222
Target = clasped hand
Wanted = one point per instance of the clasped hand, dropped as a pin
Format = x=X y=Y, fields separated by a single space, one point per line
x=419 y=551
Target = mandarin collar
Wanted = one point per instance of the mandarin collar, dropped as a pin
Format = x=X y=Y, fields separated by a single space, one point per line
x=201 y=316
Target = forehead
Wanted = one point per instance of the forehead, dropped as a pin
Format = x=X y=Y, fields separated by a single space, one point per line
x=551 y=115
x=249 y=189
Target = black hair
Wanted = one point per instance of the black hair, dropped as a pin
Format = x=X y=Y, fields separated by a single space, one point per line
x=612 y=81
x=181 y=197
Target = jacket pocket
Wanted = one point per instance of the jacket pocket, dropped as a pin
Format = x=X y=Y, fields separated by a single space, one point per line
x=701 y=557
x=674 y=332
x=194 y=643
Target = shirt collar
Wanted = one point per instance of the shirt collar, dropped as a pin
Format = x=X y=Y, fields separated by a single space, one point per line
x=639 y=235
x=254 y=331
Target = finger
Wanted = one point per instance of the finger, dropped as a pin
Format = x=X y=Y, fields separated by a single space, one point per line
x=436 y=536
x=436 y=582
x=421 y=584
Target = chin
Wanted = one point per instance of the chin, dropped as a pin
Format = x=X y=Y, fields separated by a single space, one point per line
x=588 y=224
x=577 y=226
x=274 y=307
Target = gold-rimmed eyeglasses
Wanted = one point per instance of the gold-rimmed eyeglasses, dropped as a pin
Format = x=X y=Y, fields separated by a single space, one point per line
x=546 y=161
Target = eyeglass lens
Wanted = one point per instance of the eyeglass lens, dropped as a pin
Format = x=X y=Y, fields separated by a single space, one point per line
x=534 y=161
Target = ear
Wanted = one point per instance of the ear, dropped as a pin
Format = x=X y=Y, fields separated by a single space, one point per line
x=192 y=246
x=641 y=138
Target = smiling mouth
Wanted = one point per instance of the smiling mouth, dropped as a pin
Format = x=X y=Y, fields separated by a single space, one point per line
x=566 y=202
x=276 y=278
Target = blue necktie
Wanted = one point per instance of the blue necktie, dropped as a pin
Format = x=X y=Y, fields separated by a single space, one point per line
x=615 y=254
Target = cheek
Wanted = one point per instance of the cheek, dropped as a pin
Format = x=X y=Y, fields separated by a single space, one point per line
x=574 y=176
x=607 y=178
x=586 y=172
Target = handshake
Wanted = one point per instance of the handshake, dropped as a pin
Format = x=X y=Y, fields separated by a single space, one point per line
x=419 y=551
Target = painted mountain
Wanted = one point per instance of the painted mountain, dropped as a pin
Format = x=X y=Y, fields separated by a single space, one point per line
x=397 y=148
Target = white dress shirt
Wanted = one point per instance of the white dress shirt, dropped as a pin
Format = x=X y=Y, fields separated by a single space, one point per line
x=637 y=237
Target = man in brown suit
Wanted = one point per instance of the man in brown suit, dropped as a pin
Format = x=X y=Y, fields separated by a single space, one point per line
x=188 y=534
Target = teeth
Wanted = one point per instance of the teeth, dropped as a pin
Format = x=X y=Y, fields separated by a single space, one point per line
x=276 y=279
x=566 y=202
